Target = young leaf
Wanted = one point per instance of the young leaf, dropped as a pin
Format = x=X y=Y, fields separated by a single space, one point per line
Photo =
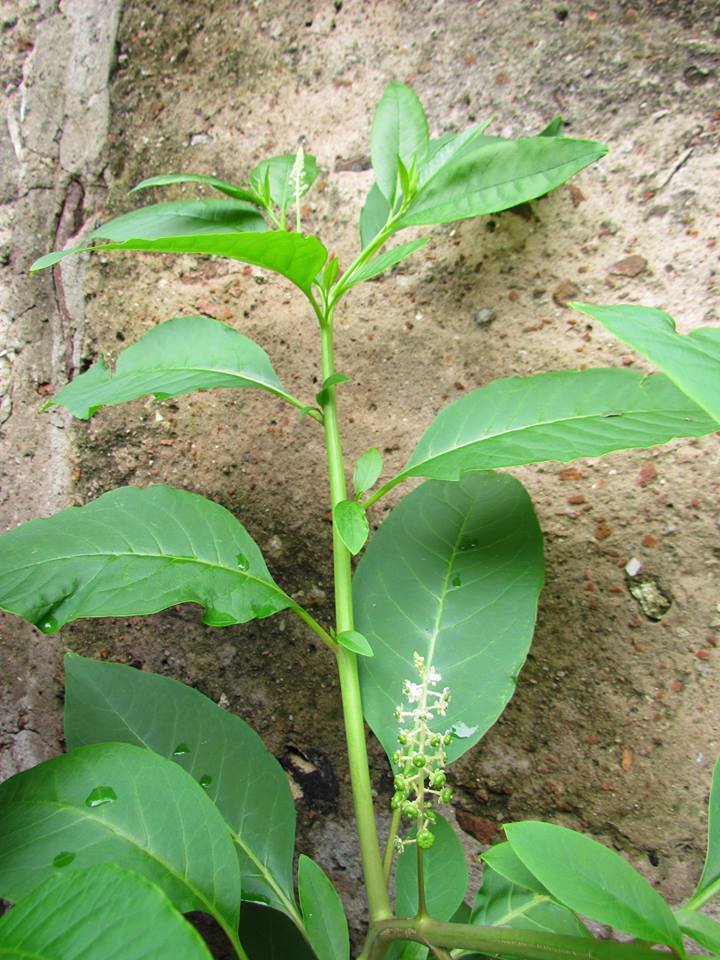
x=446 y=875
x=166 y=179
x=276 y=174
x=298 y=258
x=268 y=934
x=367 y=470
x=133 y=552
x=352 y=640
x=502 y=859
x=691 y=361
x=116 y=803
x=373 y=216
x=107 y=702
x=323 y=912
x=183 y=218
x=594 y=881
x=454 y=574
x=709 y=882
x=172 y=359
x=399 y=129
x=352 y=524
x=561 y=415
x=497 y=175
x=554 y=128
x=451 y=147
x=502 y=903
x=321 y=397
x=702 y=929
x=385 y=261
x=103 y=913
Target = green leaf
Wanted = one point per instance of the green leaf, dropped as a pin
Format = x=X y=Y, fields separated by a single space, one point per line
x=596 y=882
x=498 y=174
x=386 y=260
x=116 y=803
x=451 y=147
x=561 y=415
x=702 y=929
x=399 y=129
x=103 y=913
x=352 y=524
x=323 y=912
x=502 y=859
x=709 y=882
x=692 y=361
x=298 y=258
x=133 y=552
x=183 y=218
x=276 y=172
x=501 y=903
x=268 y=934
x=367 y=470
x=446 y=875
x=373 y=216
x=453 y=573
x=111 y=702
x=554 y=128
x=322 y=396
x=172 y=359
x=352 y=640
x=166 y=179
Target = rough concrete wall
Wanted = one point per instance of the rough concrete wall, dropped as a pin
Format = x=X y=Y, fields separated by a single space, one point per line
x=55 y=110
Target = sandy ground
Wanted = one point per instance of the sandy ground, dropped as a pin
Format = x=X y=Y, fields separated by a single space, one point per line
x=615 y=725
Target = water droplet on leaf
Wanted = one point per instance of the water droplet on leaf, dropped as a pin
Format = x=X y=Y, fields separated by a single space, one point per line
x=48 y=624
x=63 y=859
x=205 y=780
x=242 y=562
x=456 y=581
x=181 y=749
x=100 y=796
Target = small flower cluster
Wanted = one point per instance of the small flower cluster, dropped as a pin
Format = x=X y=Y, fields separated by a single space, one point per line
x=299 y=184
x=421 y=759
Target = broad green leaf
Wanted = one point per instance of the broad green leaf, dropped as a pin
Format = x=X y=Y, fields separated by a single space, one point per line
x=497 y=175
x=691 y=361
x=386 y=260
x=103 y=913
x=276 y=172
x=594 y=881
x=501 y=903
x=111 y=702
x=446 y=875
x=183 y=218
x=451 y=147
x=172 y=359
x=355 y=641
x=554 y=128
x=323 y=912
x=135 y=551
x=454 y=574
x=702 y=929
x=367 y=470
x=268 y=934
x=166 y=179
x=502 y=859
x=709 y=882
x=298 y=258
x=373 y=216
x=116 y=803
x=352 y=524
x=561 y=415
x=399 y=129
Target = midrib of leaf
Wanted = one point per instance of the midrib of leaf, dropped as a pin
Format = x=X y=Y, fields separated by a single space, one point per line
x=149 y=371
x=269 y=878
x=67 y=807
x=519 y=911
x=444 y=592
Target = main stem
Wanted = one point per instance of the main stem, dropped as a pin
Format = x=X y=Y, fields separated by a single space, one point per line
x=378 y=902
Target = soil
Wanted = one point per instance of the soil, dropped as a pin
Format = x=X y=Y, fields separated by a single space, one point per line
x=615 y=725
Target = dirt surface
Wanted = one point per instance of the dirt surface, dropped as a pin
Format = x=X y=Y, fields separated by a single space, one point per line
x=615 y=725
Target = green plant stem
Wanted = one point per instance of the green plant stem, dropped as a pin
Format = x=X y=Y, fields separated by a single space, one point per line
x=378 y=902
x=386 y=488
x=314 y=626
x=390 y=844
x=702 y=896
x=525 y=944
x=422 y=905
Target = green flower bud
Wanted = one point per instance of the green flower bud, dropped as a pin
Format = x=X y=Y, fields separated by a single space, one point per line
x=410 y=810
x=397 y=799
x=418 y=761
x=439 y=779
x=425 y=839
x=446 y=795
